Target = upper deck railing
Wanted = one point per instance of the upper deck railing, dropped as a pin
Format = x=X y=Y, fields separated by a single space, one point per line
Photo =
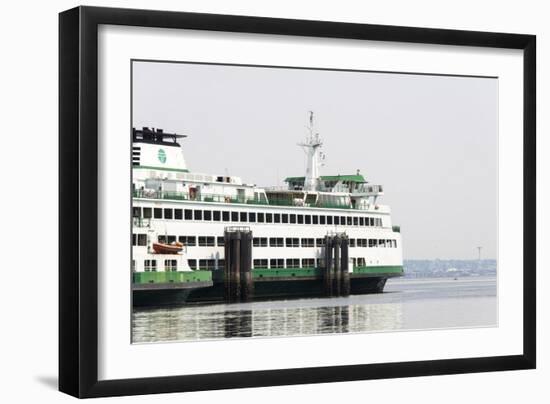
x=220 y=198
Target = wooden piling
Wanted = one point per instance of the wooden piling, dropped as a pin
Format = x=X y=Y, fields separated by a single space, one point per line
x=227 y=266
x=328 y=266
x=238 y=279
x=344 y=266
x=246 y=280
x=235 y=270
x=337 y=266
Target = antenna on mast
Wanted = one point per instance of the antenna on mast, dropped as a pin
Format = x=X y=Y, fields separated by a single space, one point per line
x=311 y=147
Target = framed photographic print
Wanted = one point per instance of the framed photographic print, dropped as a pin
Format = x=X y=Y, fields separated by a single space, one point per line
x=250 y=201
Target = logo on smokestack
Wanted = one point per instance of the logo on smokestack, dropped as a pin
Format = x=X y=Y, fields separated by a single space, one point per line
x=162 y=156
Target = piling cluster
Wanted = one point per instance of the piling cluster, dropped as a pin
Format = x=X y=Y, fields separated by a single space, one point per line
x=238 y=281
x=336 y=271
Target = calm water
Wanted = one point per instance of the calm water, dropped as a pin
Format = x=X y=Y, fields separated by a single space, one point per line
x=405 y=305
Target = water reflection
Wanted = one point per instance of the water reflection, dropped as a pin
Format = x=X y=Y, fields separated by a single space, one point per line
x=406 y=304
x=256 y=320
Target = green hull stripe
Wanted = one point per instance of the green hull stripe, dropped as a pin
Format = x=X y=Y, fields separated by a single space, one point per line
x=285 y=272
x=205 y=276
x=379 y=270
x=308 y=272
x=171 y=277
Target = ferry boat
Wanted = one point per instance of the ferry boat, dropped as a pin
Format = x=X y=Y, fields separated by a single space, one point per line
x=189 y=214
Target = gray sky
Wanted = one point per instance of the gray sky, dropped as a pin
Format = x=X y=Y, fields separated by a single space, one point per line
x=430 y=140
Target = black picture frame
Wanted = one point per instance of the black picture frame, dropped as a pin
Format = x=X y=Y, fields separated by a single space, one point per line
x=78 y=201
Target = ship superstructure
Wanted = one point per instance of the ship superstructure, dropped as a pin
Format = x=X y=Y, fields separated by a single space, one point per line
x=289 y=225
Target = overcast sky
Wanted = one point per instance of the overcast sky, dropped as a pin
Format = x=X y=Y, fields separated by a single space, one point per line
x=430 y=140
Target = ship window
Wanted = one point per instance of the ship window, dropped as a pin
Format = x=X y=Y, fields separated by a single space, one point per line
x=355 y=221
x=225 y=216
x=349 y=220
x=307 y=219
x=329 y=219
x=389 y=243
x=136 y=211
x=234 y=216
x=151 y=265
x=354 y=260
x=277 y=263
x=284 y=217
x=292 y=218
x=171 y=239
x=361 y=262
x=197 y=214
x=168 y=214
x=292 y=242
x=269 y=217
x=372 y=242
x=364 y=242
x=322 y=220
x=308 y=242
x=293 y=263
x=395 y=243
x=276 y=242
x=142 y=239
x=192 y=264
x=203 y=264
x=352 y=242
x=315 y=219
x=191 y=241
x=243 y=216
x=260 y=263
x=371 y=220
x=216 y=215
x=206 y=241
x=361 y=221
x=300 y=219
x=188 y=214
x=260 y=217
x=221 y=264
x=161 y=239
x=320 y=262
x=308 y=262
x=277 y=218
x=252 y=217
x=147 y=213
x=379 y=222
x=336 y=219
x=381 y=243
x=207 y=215
x=178 y=214
x=320 y=242
x=221 y=241
x=170 y=265
x=158 y=213
x=134 y=239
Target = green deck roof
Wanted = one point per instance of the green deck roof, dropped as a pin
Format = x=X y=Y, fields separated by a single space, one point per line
x=349 y=177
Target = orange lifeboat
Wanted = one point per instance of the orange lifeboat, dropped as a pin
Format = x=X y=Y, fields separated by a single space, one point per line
x=172 y=248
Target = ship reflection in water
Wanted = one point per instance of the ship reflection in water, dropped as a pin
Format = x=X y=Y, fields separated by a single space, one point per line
x=408 y=304
x=220 y=321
